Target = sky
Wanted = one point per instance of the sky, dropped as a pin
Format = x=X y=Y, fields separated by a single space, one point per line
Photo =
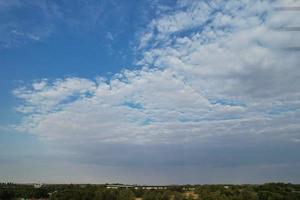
x=149 y=92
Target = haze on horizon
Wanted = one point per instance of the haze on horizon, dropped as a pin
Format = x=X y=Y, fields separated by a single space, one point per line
x=149 y=92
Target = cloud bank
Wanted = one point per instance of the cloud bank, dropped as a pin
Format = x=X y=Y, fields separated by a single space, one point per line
x=212 y=75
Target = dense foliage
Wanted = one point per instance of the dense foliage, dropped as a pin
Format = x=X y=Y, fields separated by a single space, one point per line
x=270 y=191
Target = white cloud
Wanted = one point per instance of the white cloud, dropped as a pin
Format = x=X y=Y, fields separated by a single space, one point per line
x=43 y=97
x=207 y=71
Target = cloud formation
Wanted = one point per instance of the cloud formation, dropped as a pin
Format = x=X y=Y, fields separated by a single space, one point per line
x=207 y=71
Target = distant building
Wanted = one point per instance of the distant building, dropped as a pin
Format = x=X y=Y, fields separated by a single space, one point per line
x=136 y=187
x=188 y=189
x=37 y=185
x=120 y=186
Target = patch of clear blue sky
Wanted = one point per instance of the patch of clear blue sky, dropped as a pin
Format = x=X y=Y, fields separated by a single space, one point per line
x=133 y=105
x=227 y=102
x=278 y=110
x=73 y=42
x=77 y=38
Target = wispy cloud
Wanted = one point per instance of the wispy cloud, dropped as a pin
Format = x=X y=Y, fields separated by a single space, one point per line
x=25 y=21
x=38 y=21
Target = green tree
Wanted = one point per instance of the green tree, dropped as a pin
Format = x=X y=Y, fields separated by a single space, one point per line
x=6 y=195
x=40 y=193
x=152 y=196
x=248 y=195
x=166 y=195
x=125 y=195
x=106 y=194
x=178 y=196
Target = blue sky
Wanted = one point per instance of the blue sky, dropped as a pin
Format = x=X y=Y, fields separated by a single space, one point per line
x=148 y=92
x=68 y=45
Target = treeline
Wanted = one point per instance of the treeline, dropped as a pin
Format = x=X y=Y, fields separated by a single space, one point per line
x=270 y=191
x=14 y=191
